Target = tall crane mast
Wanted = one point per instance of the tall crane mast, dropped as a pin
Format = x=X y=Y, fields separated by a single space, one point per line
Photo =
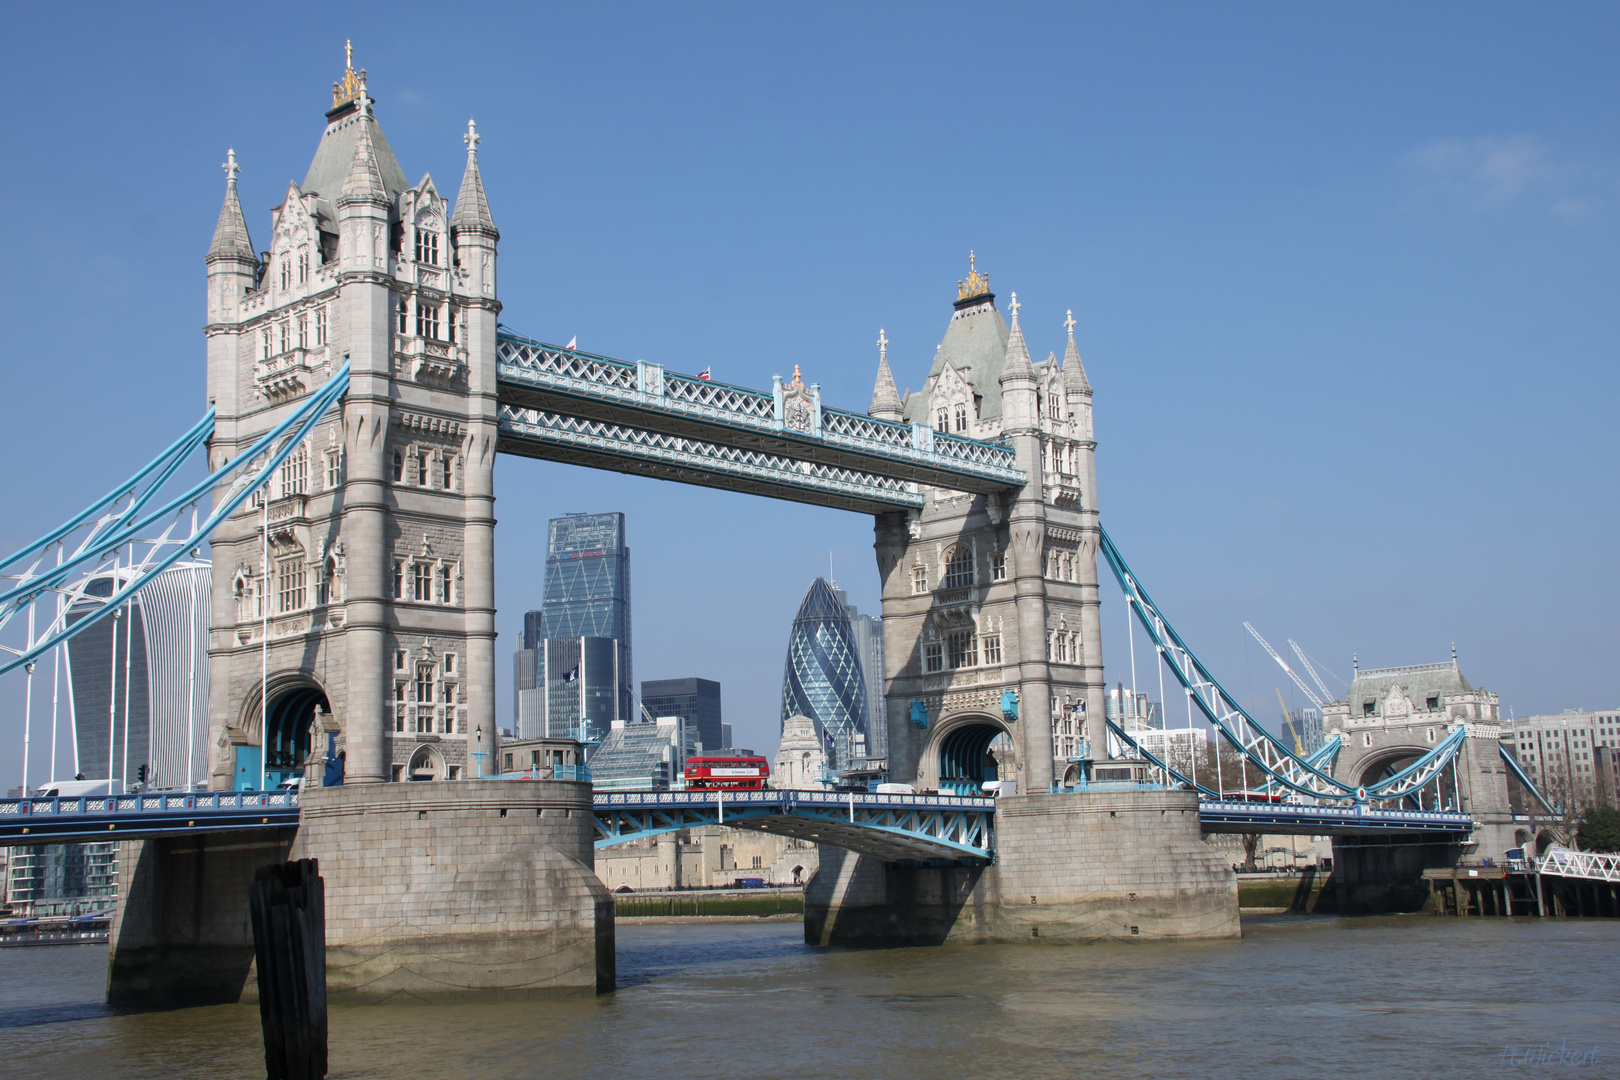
x=1288 y=723
x=1327 y=694
x=1299 y=682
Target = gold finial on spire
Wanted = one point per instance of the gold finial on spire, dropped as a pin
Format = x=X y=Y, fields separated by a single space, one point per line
x=349 y=88
x=977 y=284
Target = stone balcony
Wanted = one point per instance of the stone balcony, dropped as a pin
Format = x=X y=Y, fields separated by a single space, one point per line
x=291 y=373
x=427 y=360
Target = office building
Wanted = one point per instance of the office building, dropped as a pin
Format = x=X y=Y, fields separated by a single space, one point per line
x=695 y=701
x=138 y=683
x=46 y=880
x=1571 y=756
x=867 y=634
x=643 y=757
x=573 y=664
x=823 y=677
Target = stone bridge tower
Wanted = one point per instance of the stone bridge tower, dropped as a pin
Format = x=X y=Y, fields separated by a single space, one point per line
x=990 y=601
x=360 y=601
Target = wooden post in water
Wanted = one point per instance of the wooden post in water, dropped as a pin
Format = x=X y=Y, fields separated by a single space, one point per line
x=287 y=904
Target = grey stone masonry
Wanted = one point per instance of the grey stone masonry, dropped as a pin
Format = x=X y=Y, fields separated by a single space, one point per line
x=1069 y=868
x=433 y=890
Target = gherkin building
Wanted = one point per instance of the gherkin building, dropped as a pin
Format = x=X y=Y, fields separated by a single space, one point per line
x=822 y=678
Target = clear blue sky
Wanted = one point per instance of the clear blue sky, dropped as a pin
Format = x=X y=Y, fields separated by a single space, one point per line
x=1340 y=277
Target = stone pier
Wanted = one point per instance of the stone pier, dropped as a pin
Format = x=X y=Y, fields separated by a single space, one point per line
x=1071 y=868
x=432 y=890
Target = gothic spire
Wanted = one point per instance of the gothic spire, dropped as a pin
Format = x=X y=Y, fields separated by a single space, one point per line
x=1074 y=372
x=885 y=395
x=1017 y=365
x=472 y=207
x=365 y=177
x=231 y=238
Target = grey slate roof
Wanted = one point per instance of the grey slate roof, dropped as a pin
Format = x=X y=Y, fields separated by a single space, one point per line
x=1421 y=681
x=885 y=396
x=975 y=344
x=335 y=154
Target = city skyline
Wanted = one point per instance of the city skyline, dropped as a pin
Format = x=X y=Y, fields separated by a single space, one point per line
x=1314 y=311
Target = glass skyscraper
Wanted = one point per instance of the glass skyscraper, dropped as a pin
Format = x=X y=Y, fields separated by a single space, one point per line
x=574 y=663
x=696 y=701
x=823 y=677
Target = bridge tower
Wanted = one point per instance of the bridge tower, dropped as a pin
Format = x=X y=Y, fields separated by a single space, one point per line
x=990 y=605
x=356 y=598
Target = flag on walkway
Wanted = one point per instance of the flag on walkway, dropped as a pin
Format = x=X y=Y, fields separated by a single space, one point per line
x=572 y=674
x=572 y=342
x=704 y=374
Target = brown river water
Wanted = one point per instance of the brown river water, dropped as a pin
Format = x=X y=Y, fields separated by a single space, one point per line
x=1299 y=996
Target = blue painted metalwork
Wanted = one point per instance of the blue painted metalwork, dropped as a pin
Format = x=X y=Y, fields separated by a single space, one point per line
x=1009 y=704
x=1530 y=786
x=564 y=404
x=889 y=827
x=919 y=715
x=1301 y=819
x=130 y=817
x=1280 y=765
x=140 y=516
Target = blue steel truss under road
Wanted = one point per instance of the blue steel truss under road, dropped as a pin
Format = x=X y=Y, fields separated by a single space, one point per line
x=894 y=828
x=890 y=827
x=560 y=404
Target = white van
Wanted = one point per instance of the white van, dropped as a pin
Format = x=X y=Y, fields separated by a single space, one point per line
x=72 y=789
x=994 y=789
x=896 y=789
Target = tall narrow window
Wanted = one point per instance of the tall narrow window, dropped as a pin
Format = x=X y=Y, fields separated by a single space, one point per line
x=449 y=473
x=959 y=568
x=399 y=583
x=399 y=706
x=942 y=420
x=933 y=657
x=427 y=320
x=295 y=473
x=286 y=273
x=264 y=341
x=282 y=332
x=422 y=581
x=334 y=470
x=320 y=326
x=404 y=311
x=444 y=586
x=303 y=265
x=422 y=460
x=961 y=418
x=303 y=331
x=424 y=697
x=998 y=566
x=290 y=576
x=399 y=467
x=919 y=579
x=959 y=649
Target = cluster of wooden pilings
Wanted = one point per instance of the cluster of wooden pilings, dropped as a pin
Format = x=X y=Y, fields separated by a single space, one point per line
x=1498 y=890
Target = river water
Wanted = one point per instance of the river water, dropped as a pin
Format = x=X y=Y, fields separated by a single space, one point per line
x=1298 y=996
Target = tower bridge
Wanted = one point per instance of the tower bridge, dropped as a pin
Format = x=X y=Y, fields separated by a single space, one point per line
x=361 y=392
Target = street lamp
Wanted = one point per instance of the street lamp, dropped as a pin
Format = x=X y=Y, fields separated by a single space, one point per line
x=479 y=754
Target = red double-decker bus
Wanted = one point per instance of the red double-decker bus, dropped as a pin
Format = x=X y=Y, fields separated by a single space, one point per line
x=711 y=773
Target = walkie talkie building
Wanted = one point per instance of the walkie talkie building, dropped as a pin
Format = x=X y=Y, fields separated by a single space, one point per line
x=823 y=678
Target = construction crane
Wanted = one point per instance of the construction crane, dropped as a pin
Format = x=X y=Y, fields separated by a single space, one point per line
x=1288 y=722
x=1299 y=682
x=1327 y=695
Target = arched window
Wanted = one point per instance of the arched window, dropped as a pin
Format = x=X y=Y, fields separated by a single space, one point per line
x=961 y=417
x=942 y=421
x=404 y=315
x=399 y=467
x=959 y=567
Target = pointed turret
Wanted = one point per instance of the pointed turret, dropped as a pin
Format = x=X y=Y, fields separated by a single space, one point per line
x=472 y=207
x=231 y=240
x=364 y=180
x=1074 y=372
x=1017 y=364
x=885 y=396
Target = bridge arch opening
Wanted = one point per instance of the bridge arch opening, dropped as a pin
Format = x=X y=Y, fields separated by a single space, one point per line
x=969 y=755
x=1387 y=763
x=290 y=722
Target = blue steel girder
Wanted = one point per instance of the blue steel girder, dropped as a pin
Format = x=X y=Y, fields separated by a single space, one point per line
x=1281 y=767
x=1233 y=816
x=84 y=818
x=548 y=378
x=892 y=828
x=597 y=444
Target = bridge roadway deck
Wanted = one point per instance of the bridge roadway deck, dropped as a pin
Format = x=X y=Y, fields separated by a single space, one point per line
x=561 y=404
x=890 y=827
